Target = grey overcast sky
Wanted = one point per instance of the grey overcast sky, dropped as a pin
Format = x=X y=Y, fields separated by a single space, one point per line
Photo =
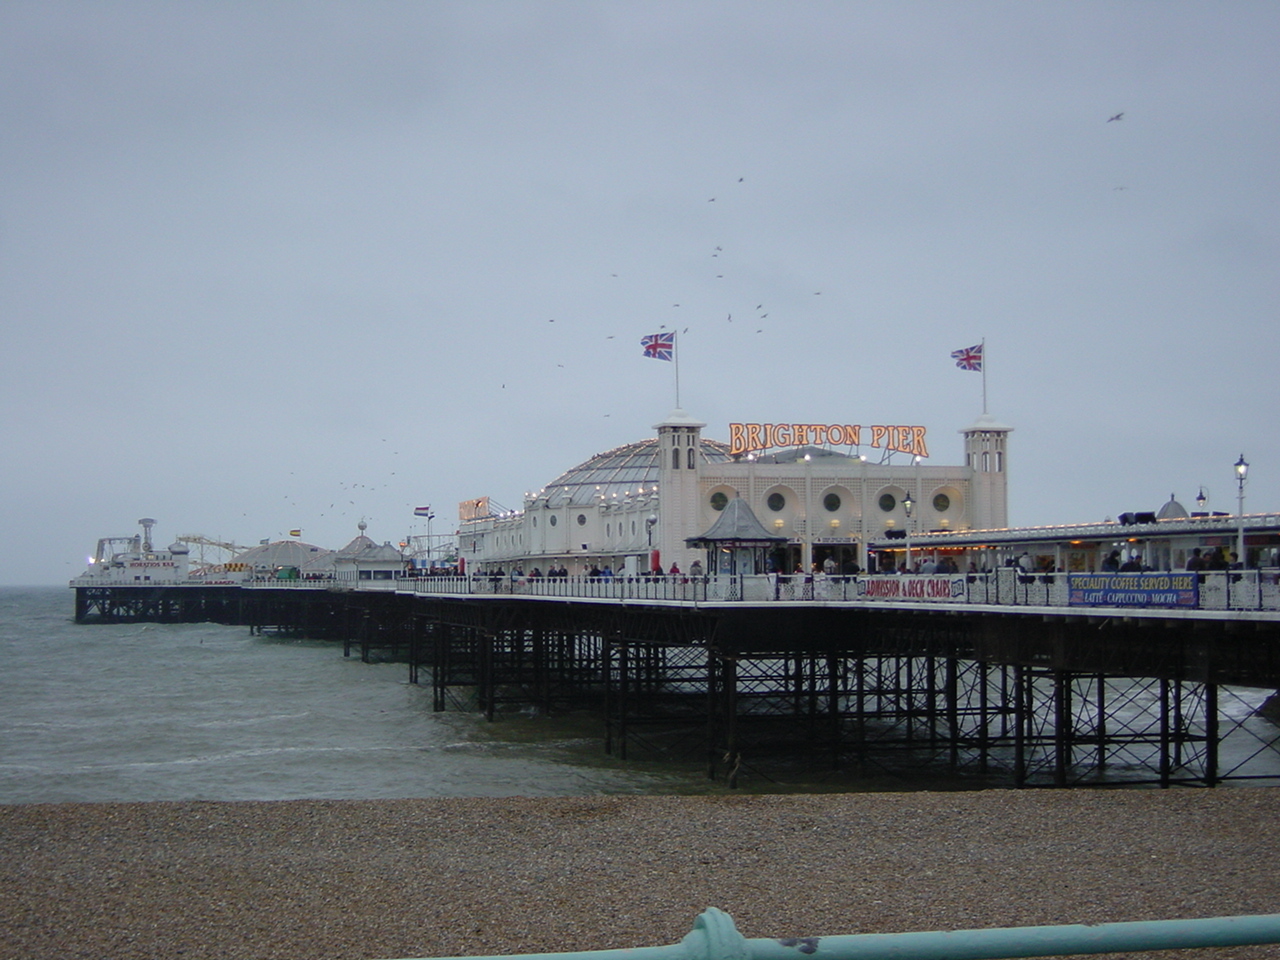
x=277 y=265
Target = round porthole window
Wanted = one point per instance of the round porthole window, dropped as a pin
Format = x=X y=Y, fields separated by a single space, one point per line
x=719 y=500
x=832 y=502
x=887 y=502
x=776 y=502
x=582 y=519
x=941 y=502
x=552 y=519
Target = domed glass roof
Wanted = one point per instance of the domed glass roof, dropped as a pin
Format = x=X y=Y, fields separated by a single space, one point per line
x=1172 y=510
x=622 y=470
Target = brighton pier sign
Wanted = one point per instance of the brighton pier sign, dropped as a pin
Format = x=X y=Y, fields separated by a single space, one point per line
x=749 y=437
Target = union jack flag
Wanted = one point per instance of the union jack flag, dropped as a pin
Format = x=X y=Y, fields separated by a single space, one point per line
x=659 y=346
x=968 y=358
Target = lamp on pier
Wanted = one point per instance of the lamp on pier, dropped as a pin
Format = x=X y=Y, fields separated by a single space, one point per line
x=907 y=504
x=1242 y=472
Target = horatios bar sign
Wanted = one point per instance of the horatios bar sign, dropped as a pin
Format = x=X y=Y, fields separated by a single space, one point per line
x=748 y=437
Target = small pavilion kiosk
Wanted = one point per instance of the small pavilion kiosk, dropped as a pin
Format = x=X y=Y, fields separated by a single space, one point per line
x=737 y=542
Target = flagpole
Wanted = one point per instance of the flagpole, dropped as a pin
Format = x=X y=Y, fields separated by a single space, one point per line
x=675 y=355
x=984 y=374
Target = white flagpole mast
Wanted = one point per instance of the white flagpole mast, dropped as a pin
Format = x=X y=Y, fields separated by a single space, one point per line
x=675 y=355
x=984 y=375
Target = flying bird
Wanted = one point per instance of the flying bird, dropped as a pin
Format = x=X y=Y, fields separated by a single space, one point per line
x=1116 y=117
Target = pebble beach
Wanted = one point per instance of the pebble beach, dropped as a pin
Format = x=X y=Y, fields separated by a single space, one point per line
x=357 y=880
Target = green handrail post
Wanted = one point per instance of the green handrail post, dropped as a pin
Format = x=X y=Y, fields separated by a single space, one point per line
x=714 y=937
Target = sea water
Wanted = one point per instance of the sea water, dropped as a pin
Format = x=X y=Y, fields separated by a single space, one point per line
x=124 y=712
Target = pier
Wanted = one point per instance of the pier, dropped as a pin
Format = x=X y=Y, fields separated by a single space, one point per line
x=999 y=678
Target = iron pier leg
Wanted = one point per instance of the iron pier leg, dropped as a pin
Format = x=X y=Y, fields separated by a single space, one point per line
x=1062 y=732
x=952 y=686
x=1021 y=680
x=1211 y=734
x=624 y=690
x=1102 y=721
x=488 y=699
x=1164 y=734
x=731 y=717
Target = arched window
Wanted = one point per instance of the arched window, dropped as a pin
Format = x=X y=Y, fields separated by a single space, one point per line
x=691 y=458
x=986 y=461
x=675 y=459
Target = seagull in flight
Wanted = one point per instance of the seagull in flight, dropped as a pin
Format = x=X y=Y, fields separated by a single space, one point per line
x=1116 y=117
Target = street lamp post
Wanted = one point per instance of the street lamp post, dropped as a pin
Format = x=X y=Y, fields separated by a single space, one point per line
x=1242 y=471
x=907 y=504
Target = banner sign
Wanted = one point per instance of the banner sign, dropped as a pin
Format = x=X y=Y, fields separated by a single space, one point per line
x=911 y=588
x=476 y=509
x=747 y=437
x=1133 y=590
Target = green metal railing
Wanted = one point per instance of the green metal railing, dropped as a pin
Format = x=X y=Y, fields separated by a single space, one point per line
x=714 y=937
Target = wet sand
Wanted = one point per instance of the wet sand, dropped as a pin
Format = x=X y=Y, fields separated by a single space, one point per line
x=325 y=880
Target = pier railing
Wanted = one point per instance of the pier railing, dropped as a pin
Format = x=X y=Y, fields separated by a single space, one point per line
x=714 y=937
x=1216 y=590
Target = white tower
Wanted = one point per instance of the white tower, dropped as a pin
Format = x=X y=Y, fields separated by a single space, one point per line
x=679 y=466
x=986 y=455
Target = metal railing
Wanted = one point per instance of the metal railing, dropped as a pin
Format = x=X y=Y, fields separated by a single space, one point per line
x=1008 y=587
x=714 y=937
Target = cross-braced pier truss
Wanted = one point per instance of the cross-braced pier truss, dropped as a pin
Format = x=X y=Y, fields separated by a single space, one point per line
x=1019 y=702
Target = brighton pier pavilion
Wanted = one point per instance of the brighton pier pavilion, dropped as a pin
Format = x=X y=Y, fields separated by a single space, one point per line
x=781 y=497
